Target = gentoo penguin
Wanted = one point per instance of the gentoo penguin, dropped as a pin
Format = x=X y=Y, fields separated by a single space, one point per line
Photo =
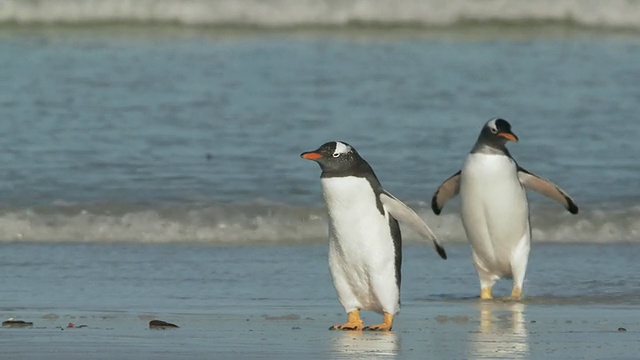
x=494 y=207
x=365 y=252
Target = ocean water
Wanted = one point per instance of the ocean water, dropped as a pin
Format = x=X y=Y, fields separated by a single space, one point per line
x=168 y=122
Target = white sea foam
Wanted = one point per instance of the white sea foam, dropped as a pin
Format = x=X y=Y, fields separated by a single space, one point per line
x=275 y=224
x=278 y=13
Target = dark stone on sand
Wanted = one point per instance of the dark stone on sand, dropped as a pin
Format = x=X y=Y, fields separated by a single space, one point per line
x=621 y=329
x=161 y=325
x=16 y=323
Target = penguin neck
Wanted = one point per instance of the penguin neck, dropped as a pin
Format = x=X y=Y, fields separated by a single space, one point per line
x=363 y=170
x=359 y=170
x=490 y=148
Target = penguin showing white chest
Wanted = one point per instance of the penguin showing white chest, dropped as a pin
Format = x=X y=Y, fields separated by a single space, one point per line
x=365 y=244
x=494 y=207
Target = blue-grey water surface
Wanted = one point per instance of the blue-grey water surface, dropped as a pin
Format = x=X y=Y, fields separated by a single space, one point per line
x=122 y=133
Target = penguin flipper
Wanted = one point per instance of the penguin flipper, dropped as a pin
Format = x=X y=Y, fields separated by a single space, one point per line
x=401 y=212
x=533 y=182
x=448 y=189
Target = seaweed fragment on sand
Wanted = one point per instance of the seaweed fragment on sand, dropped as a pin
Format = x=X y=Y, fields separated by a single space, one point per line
x=161 y=325
x=10 y=323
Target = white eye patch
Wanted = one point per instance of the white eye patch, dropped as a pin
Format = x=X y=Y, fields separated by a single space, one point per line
x=341 y=148
x=491 y=124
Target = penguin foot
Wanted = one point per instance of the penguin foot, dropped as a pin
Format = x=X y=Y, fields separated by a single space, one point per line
x=379 y=327
x=516 y=294
x=353 y=322
x=485 y=293
x=387 y=324
x=348 y=327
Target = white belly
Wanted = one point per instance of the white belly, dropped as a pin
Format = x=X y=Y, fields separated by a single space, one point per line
x=361 y=248
x=494 y=212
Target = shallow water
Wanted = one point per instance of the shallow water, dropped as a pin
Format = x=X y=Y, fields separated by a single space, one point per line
x=199 y=279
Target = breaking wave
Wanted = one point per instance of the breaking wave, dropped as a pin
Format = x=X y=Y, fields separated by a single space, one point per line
x=262 y=223
x=288 y=13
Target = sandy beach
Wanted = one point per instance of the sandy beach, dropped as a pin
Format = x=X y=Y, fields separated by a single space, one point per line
x=466 y=329
x=251 y=305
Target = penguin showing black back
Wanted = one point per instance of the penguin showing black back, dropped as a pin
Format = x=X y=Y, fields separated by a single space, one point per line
x=365 y=243
x=494 y=207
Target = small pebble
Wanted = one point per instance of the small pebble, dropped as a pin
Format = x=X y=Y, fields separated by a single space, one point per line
x=621 y=329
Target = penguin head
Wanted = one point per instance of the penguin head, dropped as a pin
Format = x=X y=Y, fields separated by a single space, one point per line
x=496 y=132
x=334 y=156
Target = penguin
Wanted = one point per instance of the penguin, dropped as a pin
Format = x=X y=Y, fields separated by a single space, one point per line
x=365 y=243
x=494 y=207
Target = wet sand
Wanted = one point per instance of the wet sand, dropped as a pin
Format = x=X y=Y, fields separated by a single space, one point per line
x=278 y=302
x=461 y=329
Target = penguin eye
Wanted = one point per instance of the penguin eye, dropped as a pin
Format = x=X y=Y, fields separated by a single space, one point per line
x=335 y=155
x=494 y=130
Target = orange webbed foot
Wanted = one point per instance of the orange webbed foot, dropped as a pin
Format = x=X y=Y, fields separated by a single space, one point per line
x=353 y=322
x=386 y=325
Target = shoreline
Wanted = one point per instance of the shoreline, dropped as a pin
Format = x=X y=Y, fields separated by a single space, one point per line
x=465 y=328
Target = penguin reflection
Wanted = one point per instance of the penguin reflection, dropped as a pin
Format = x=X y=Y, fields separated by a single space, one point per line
x=502 y=332
x=366 y=345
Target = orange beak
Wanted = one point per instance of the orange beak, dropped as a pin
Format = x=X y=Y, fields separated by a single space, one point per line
x=310 y=155
x=509 y=136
